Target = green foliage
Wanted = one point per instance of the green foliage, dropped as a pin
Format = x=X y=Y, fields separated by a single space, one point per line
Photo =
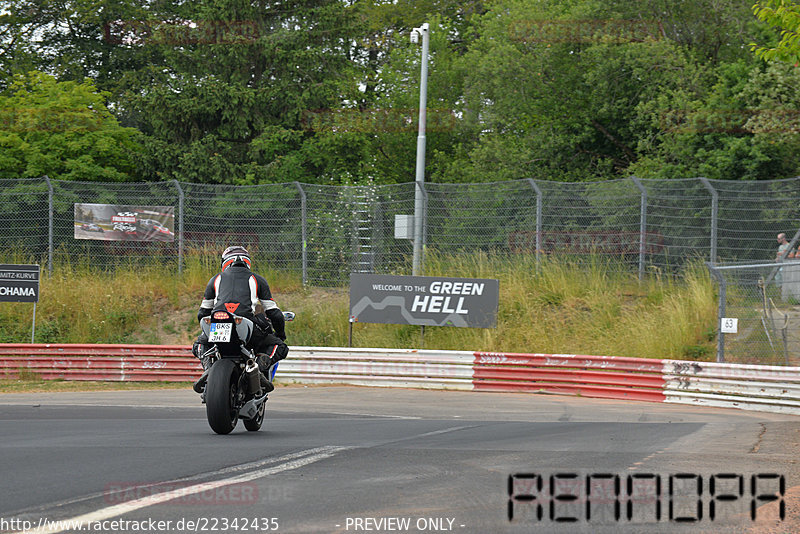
x=230 y=108
x=698 y=352
x=560 y=88
x=783 y=14
x=63 y=130
x=743 y=127
x=327 y=91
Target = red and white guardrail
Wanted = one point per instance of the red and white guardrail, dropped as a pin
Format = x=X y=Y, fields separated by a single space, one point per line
x=135 y=363
x=751 y=387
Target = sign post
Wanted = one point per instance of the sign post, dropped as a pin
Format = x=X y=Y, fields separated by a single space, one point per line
x=20 y=283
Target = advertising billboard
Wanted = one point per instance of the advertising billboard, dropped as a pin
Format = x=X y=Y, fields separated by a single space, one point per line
x=114 y=222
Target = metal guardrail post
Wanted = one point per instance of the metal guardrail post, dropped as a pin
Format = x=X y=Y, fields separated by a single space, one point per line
x=49 y=226
x=180 y=225
x=642 y=226
x=714 y=217
x=721 y=310
x=538 y=217
x=303 y=224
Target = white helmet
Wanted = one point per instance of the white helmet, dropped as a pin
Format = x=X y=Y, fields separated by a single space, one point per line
x=235 y=254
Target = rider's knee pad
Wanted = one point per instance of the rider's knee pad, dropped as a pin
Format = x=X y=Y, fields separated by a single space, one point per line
x=276 y=354
x=280 y=352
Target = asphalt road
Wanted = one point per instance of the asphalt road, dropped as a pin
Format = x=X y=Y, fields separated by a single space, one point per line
x=341 y=459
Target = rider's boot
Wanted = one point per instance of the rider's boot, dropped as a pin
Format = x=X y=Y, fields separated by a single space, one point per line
x=263 y=367
x=266 y=385
x=200 y=385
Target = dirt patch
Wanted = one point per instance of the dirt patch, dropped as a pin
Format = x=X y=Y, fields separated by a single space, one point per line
x=57 y=386
x=769 y=516
x=168 y=325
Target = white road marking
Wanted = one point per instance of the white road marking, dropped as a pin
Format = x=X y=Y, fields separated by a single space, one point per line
x=292 y=461
x=377 y=415
x=433 y=433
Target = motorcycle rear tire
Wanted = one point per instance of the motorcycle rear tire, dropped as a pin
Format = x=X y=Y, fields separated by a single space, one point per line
x=220 y=395
x=254 y=424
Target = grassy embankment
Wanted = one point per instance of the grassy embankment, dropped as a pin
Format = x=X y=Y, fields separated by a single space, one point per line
x=561 y=306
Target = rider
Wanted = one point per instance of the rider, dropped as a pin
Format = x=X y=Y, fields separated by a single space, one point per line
x=244 y=293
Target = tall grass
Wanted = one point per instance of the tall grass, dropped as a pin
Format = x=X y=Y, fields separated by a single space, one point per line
x=586 y=305
x=579 y=306
x=84 y=305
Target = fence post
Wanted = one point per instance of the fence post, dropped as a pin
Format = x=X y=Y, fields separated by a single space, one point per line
x=421 y=241
x=303 y=253
x=538 y=217
x=642 y=225
x=377 y=234
x=721 y=310
x=49 y=226
x=180 y=226
x=714 y=214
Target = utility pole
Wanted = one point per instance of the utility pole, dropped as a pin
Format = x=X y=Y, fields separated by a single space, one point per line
x=419 y=201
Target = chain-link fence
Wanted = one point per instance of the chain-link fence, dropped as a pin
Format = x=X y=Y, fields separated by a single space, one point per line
x=326 y=232
x=759 y=313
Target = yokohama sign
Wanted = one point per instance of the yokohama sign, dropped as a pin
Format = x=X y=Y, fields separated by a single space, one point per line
x=19 y=283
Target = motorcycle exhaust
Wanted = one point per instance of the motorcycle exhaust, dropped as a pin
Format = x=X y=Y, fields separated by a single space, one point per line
x=250 y=408
x=253 y=380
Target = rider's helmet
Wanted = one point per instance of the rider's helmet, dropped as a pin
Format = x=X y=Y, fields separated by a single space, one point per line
x=235 y=255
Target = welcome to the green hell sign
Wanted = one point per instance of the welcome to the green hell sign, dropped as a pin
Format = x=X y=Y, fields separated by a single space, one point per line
x=19 y=283
x=424 y=300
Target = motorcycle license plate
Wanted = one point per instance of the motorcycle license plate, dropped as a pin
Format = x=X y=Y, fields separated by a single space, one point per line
x=220 y=332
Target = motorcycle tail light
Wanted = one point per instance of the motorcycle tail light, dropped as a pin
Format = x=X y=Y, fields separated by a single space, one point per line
x=221 y=315
x=238 y=320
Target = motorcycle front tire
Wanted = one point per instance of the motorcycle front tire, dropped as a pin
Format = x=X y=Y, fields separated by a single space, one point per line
x=221 y=395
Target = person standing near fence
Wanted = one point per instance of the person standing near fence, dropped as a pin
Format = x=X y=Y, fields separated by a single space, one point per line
x=783 y=244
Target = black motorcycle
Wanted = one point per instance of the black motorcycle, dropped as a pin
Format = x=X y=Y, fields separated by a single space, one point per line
x=233 y=389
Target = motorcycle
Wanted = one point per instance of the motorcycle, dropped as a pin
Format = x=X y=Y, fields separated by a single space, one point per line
x=233 y=389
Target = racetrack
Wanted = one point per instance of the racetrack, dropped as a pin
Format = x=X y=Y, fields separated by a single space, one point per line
x=344 y=459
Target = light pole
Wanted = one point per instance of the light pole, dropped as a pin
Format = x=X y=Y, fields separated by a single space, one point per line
x=419 y=203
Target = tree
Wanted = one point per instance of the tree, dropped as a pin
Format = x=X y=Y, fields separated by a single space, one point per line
x=72 y=39
x=712 y=31
x=551 y=90
x=784 y=14
x=63 y=130
x=326 y=91
x=20 y=22
x=228 y=102
x=744 y=126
